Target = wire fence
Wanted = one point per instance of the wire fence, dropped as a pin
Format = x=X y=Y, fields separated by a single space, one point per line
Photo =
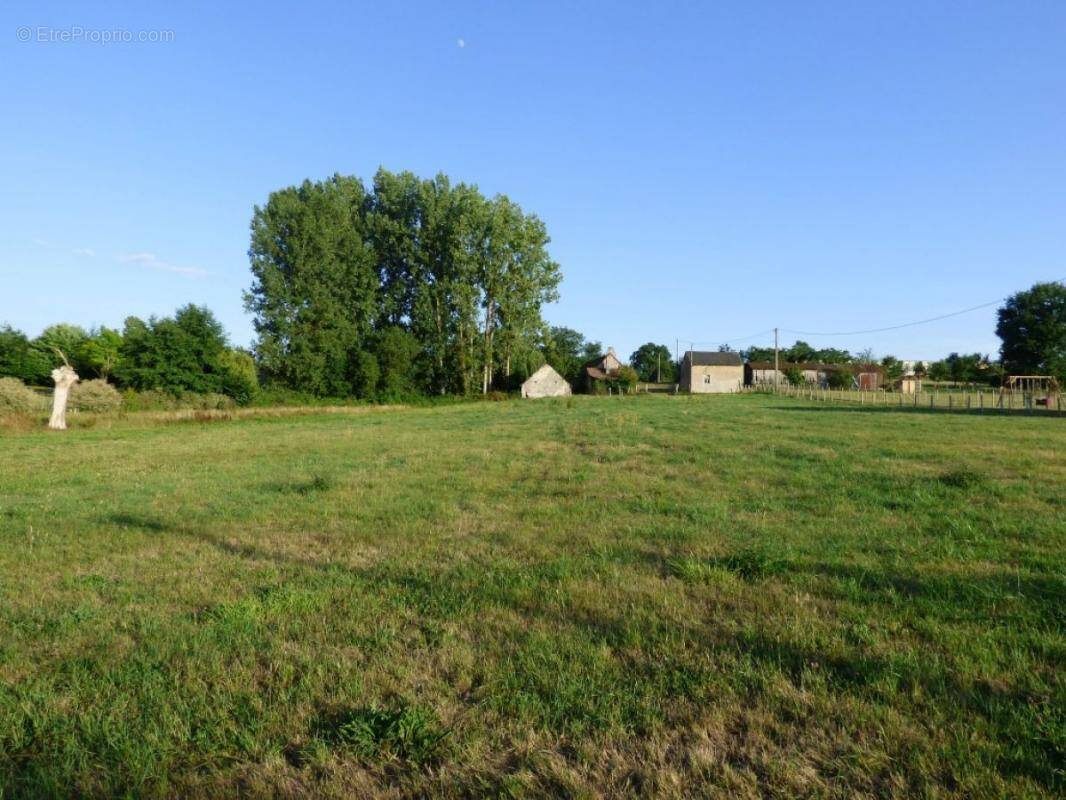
x=959 y=400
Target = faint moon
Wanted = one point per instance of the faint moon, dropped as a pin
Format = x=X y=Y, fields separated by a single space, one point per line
x=461 y=42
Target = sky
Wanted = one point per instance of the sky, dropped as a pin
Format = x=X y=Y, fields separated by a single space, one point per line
x=707 y=171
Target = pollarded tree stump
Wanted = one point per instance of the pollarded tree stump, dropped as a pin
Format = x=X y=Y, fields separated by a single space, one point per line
x=64 y=378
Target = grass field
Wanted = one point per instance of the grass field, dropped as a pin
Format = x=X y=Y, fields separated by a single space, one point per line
x=658 y=596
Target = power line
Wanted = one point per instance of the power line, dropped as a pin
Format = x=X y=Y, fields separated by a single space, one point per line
x=729 y=339
x=733 y=339
x=905 y=324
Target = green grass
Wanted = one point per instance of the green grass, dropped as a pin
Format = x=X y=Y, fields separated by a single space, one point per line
x=644 y=596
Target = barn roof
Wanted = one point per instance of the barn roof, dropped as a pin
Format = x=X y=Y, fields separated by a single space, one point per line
x=707 y=359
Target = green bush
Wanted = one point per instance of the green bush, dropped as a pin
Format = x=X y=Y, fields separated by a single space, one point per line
x=96 y=397
x=839 y=378
x=16 y=397
x=624 y=380
x=239 y=377
x=794 y=376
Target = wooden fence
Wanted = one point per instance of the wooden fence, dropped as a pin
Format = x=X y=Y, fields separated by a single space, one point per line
x=978 y=402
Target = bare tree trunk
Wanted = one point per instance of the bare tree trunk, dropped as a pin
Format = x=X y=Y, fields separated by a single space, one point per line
x=64 y=378
x=486 y=378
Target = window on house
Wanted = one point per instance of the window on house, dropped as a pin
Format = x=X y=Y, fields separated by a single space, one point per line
x=706 y=378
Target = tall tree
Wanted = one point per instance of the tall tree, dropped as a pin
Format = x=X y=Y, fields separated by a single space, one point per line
x=653 y=362
x=315 y=284
x=1032 y=327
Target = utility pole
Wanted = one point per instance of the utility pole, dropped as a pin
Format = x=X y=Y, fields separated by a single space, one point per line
x=776 y=372
x=659 y=367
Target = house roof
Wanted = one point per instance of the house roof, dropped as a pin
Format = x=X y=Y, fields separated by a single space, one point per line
x=598 y=361
x=707 y=359
x=545 y=370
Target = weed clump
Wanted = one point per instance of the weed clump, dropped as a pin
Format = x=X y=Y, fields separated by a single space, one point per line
x=750 y=564
x=400 y=731
x=961 y=479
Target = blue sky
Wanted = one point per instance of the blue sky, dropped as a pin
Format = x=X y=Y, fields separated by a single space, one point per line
x=706 y=170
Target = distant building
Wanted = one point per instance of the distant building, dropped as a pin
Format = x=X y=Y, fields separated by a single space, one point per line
x=868 y=377
x=707 y=373
x=546 y=382
x=602 y=368
x=910 y=384
x=761 y=373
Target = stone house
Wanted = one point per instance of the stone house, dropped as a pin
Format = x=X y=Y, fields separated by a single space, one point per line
x=601 y=369
x=546 y=382
x=707 y=373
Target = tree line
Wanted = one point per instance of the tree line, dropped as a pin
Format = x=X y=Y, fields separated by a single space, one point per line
x=185 y=353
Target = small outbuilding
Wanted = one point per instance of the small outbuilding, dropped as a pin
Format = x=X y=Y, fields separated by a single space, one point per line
x=546 y=382
x=706 y=373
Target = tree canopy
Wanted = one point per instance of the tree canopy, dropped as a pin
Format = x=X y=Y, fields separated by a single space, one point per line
x=340 y=271
x=1032 y=327
x=799 y=353
x=184 y=353
x=651 y=361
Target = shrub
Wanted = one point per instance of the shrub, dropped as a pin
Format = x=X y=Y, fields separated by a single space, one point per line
x=839 y=378
x=624 y=380
x=157 y=400
x=212 y=401
x=239 y=377
x=794 y=376
x=95 y=396
x=16 y=397
x=149 y=400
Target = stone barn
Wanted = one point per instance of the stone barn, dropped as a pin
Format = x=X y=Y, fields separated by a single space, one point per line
x=546 y=382
x=706 y=373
